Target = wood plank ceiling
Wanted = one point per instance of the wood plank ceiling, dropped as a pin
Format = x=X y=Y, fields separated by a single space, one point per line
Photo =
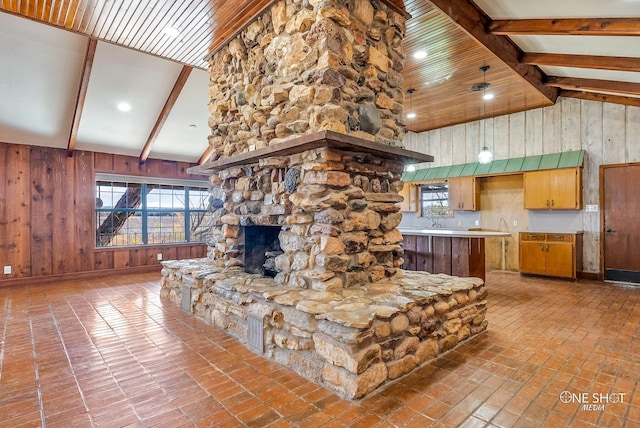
x=458 y=37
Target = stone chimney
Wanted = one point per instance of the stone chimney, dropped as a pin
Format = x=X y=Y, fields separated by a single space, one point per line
x=305 y=66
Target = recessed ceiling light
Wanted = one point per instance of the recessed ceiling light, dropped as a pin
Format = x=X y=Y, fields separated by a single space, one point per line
x=171 y=32
x=420 y=55
x=123 y=106
x=488 y=96
x=411 y=115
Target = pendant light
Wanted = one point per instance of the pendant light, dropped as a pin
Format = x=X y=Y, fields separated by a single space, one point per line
x=485 y=156
x=411 y=114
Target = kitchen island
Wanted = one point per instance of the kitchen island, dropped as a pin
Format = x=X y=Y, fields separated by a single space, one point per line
x=454 y=252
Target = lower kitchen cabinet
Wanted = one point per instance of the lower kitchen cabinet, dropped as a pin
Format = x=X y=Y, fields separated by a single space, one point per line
x=458 y=256
x=551 y=254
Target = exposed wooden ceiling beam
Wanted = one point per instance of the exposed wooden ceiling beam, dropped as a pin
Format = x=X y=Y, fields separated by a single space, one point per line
x=579 y=84
x=579 y=26
x=473 y=21
x=605 y=98
x=82 y=94
x=205 y=156
x=618 y=63
x=164 y=114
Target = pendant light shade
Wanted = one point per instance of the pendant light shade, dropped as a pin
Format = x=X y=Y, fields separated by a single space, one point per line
x=485 y=156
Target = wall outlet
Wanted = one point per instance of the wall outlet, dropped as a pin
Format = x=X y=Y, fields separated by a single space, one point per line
x=159 y=256
x=515 y=222
x=7 y=270
x=591 y=208
x=459 y=222
x=477 y=222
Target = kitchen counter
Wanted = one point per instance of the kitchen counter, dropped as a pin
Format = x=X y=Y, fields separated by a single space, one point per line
x=453 y=233
x=450 y=251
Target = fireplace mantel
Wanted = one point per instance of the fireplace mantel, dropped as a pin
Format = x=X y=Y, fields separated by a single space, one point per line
x=316 y=140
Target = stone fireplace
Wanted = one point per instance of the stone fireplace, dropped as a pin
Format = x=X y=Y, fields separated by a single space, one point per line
x=304 y=253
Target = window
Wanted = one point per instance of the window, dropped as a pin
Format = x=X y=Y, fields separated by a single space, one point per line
x=140 y=212
x=434 y=200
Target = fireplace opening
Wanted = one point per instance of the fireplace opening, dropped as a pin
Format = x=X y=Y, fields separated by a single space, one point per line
x=261 y=246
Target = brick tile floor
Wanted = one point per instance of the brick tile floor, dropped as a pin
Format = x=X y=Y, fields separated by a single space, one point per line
x=110 y=352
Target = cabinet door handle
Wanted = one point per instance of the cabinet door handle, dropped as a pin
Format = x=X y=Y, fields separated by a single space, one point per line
x=551 y=202
x=609 y=230
x=547 y=203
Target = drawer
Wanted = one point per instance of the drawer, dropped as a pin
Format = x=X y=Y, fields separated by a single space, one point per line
x=525 y=236
x=560 y=237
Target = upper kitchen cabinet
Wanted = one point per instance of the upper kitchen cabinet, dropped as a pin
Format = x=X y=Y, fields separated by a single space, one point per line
x=464 y=194
x=553 y=189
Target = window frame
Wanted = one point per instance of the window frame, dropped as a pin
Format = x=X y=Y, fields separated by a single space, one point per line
x=144 y=210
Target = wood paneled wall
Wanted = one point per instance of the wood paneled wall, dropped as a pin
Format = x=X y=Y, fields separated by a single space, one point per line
x=47 y=203
x=608 y=132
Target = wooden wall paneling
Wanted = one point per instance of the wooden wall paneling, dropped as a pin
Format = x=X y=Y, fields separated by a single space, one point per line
x=409 y=246
x=434 y=145
x=169 y=253
x=517 y=135
x=169 y=168
x=42 y=170
x=533 y=132
x=103 y=162
x=441 y=255
x=473 y=145
x=570 y=108
x=614 y=137
x=4 y=257
x=591 y=135
x=18 y=210
x=633 y=134
x=153 y=168
x=103 y=259
x=184 y=252
x=122 y=164
x=152 y=256
x=551 y=132
x=424 y=255
x=84 y=209
x=446 y=146
x=64 y=254
x=198 y=251
x=138 y=257
x=121 y=258
x=458 y=147
x=460 y=252
x=501 y=137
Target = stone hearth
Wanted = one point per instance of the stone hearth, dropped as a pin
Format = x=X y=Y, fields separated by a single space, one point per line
x=350 y=340
x=307 y=120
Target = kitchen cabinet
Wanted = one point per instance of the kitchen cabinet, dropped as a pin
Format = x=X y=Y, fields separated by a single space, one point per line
x=410 y=193
x=553 y=189
x=464 y=194
x=551 y=254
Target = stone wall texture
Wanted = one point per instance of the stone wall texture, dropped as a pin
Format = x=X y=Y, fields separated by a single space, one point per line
x=306 y=66
x=338 y=213
x=350 y=341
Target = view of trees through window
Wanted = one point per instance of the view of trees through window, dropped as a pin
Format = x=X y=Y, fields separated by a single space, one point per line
x=140 y=213
x=434 y=200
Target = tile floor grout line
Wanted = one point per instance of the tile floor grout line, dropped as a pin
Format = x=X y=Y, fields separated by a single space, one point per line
x=71 y=366
x=37 y=373
x=4 y=332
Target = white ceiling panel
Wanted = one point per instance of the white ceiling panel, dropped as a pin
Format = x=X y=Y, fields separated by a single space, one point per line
x=530 y=9
x=580 y=45
x=184 y=134
x=123 y=75
x=587 y=73
x=40 y=72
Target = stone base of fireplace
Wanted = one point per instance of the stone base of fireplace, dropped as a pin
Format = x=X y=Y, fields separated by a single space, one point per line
x=351 y=341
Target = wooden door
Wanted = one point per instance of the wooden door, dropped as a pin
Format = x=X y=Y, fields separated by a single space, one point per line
x=564 y=185
x=621 y=228
x=532 y=257
x=536 y=190
x=559 y=259
x=455 y=199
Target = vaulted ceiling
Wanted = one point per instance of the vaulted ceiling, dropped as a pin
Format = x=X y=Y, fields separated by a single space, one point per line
x=66 y=65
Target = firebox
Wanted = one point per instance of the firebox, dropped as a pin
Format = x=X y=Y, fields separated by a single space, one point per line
x=261 y=246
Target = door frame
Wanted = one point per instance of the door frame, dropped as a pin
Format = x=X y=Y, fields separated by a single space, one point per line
x=601 y=196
